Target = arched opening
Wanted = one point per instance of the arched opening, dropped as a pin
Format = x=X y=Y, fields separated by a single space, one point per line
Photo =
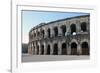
x=34 y=34
x=49 y=33
x=83 y=26
x=56 y=31
x=37 y=49
x=64 y=49
x=48 y=50
x=43 y=33
x=33 y=49
x=38 y=33
x=73 y=28
x=85 y=48
x=42 y=49
x=63 y=27
x=73 y=48
x=55 y=49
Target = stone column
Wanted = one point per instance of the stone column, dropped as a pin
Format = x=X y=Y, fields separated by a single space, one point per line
x=78 y=27
x=39 y=48
x=79 y=49
x=36 y=35
x=45 y=48
x=46 y=33
x=31 y=47
x=88 y=26
x=59 y=48
x=51 y=49
x=69 y=49
x=66 y=30
x=52 y=32
x=68 y=27
x=35 y=48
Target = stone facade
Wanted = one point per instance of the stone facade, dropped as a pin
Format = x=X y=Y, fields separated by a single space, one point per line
x=70 y=36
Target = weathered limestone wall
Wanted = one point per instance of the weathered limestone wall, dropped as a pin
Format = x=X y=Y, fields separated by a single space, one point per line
x=40 y=36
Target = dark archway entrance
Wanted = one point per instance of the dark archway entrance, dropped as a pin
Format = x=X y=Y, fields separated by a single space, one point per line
x=63 y=27
x=37 y=49
x=42 y=49
x=48 y=50
x=34 y=34
x=49 y=33
x=85 y=48
x=73 y=28
x=55 y=49
x=64 y=49
x=56 y=31
x=84 y=26
x=43 y=33
x=38 y=33
x=73 y=48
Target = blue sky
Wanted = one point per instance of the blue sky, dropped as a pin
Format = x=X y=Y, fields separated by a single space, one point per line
x=33 y=18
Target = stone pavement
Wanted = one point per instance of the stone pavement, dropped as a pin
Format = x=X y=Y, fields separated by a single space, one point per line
x=43 y=58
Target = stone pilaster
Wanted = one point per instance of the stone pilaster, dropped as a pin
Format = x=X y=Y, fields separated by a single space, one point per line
x=45 y=48
x=52 y=32
x=46 y=33
x=51 y=49
x=79 y=50
x=39 y=48
x=31 y=47
x=35 y=48
x=59 y=48
x=69 y=49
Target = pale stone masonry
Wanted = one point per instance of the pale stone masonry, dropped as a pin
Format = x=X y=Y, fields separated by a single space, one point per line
x=69 y=36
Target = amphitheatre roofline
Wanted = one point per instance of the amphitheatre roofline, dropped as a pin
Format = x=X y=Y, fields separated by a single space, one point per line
x=43 y=23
